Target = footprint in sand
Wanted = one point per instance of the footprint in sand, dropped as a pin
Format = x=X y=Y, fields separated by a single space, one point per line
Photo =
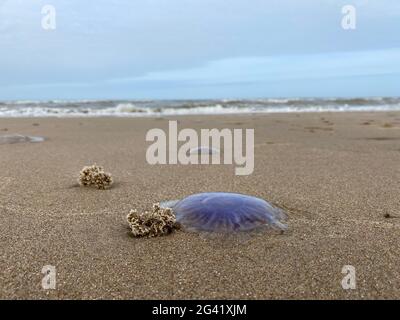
x=381 y=139
x=388 y=125
x=327 y=122
x=313 y=129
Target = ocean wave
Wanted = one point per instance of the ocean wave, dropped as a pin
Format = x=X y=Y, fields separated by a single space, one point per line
x=87 y=108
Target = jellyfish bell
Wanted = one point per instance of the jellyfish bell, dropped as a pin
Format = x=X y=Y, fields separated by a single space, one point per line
x=203 y=150
x=219 y=212
x=18 y=138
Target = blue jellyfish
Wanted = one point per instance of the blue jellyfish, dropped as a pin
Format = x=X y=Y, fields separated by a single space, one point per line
x=225 y=212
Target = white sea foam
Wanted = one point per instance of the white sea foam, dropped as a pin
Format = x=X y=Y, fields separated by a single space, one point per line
x=87 y=108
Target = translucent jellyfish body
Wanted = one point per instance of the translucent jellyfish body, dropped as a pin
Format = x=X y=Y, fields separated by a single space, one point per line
x=17 y=138
x=204 y=150
x=226 y=212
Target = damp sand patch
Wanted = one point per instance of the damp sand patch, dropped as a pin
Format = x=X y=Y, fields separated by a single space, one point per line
x=18 y=138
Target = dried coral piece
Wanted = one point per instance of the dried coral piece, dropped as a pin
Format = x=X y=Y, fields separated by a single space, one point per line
x=102 y=180
x=95 y=176
x=156 y=223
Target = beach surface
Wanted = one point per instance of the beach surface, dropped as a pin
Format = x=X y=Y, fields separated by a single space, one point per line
x=336 y=174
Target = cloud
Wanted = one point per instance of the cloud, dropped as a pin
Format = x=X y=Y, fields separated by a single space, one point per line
x=281 y=68
x=106 y=43
x=253 y=77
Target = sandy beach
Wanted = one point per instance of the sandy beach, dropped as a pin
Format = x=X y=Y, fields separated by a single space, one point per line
x=336 y=174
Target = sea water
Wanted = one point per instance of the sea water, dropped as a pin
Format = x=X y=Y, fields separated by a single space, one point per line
x=142 y=108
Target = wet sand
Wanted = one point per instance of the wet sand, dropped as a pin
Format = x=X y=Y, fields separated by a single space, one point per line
x=337 y=175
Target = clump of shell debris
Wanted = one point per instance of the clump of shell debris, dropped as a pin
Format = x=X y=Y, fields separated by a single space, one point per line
x=155 y=223
x=94 y=175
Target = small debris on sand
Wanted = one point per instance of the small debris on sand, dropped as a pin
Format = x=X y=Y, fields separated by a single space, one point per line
x=387 y=125
x=158 y=222
x=95 y=176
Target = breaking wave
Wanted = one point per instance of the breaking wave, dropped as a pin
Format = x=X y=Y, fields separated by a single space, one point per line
x=87 y=108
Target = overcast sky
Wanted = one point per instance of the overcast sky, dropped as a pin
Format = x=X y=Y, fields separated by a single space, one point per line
x=157 y=49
